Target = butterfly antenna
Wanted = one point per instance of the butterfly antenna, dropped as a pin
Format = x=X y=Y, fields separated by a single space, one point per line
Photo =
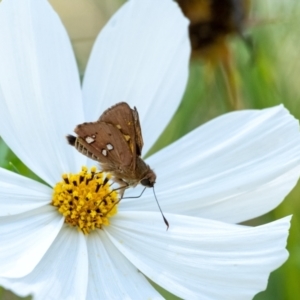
x=165 y=220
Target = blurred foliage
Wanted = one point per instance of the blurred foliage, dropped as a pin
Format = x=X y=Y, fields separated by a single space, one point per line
x=267 y=78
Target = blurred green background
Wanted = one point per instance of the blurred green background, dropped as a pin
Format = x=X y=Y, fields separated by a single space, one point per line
x=266 y=77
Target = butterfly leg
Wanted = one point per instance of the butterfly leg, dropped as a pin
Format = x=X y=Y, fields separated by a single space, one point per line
x=123 y=186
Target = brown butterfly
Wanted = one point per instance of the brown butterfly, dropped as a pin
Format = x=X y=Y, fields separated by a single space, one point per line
x=116 y=142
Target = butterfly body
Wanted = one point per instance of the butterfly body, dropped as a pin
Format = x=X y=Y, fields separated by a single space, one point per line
x=116 y=142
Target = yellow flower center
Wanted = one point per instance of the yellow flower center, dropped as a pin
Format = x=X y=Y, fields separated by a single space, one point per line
x=86 y=199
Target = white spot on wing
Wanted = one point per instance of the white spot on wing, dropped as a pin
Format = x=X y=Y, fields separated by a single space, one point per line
x=104 y=152
x=109 y=146
x=89 y=139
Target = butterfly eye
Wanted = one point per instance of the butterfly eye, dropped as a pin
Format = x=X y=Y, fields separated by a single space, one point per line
x=146 y=182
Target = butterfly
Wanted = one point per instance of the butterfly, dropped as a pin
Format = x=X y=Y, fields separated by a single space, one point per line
x=116 y=142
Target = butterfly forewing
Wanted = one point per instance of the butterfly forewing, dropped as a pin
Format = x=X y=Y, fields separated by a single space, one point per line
x=138 y=132
x=127 y=121
x=106 y=143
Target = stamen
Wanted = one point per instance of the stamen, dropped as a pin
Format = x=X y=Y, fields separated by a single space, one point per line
x=65 y=178
x=88 y=201
x=98 y=187
x=105 y=181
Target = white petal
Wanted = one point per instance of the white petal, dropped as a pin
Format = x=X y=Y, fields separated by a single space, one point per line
x=19 y=194
x=111 y=275
x=140 y=57
x=40 y=97
x=25 y=238
x=234 y=168
x=199 y=258
x=61 y=274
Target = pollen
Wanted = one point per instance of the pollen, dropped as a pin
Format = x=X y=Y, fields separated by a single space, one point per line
x=86 y=199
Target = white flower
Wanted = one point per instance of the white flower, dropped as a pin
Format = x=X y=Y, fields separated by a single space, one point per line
x=234 y=168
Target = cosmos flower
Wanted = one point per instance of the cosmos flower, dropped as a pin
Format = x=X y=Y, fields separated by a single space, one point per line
x=234 y=168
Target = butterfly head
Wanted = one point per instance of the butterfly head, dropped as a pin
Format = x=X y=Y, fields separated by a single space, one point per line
x=149 y=179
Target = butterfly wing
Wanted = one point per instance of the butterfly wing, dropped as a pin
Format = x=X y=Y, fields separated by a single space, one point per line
x=104 y=143
x=138 y=132
x=127 y=121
